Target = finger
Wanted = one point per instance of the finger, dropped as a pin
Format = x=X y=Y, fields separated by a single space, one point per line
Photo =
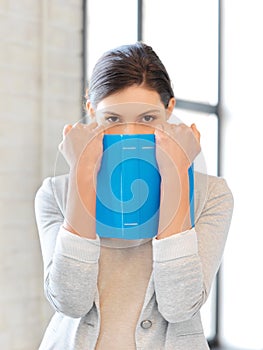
x=196 y=132
x=98 y=132
x=171 y=127
x=169 y=130
x=159 y=133
x=93 y=126
x=66 y=129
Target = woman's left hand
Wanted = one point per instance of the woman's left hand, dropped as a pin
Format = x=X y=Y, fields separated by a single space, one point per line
x=177 y=145
x=176 y=148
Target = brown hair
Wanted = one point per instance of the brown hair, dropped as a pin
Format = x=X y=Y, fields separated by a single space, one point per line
x=127 y=65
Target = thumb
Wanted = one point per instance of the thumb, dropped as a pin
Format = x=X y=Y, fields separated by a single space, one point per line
x=66 y=130
x=196 y=132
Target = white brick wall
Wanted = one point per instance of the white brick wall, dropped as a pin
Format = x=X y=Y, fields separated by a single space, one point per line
x=40 y=91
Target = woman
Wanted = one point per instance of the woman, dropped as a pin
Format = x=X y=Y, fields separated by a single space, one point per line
x=112 y=295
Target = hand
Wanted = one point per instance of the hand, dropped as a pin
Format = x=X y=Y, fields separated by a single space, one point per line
x=176 y=148
x=82 y=149
x=82 y=144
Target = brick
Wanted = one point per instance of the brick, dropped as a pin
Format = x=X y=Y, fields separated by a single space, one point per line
x=20 y=284
x=16 y=187
x=22 y=55
x=18 y=232
x=13 y=158
x=27 y=8
x=23 y=339
x=59 y=62
x=77 y=3
x=20 y=238
x=3 y=7
x=65 y=39
x=64 y=87
x=5 y=338
x=71 y=109
x=62 y=14
x=23 y=31
x=19 y=80
x=16 y=107
x=3 y=24
x=20 y=30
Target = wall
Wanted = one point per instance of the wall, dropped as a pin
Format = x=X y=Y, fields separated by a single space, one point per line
x=40 y=91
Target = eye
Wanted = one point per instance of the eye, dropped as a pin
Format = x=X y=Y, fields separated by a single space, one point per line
x=113 y=119
x=148 y=118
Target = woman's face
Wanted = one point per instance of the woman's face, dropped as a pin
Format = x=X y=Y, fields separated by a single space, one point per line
x=133 y=110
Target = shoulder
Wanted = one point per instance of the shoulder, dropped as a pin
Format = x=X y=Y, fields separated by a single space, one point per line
x=53 y=189
x=212 y=184
x=218 y=188
x=51 y=184
x=212 y=190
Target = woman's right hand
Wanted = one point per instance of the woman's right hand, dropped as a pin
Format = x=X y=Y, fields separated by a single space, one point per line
x=82 y=148
x=82 y=145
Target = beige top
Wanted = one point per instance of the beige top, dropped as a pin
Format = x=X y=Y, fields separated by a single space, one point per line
x=122 y=292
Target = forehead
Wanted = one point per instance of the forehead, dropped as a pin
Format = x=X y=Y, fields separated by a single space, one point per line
x=137 y=95
x=130 y=109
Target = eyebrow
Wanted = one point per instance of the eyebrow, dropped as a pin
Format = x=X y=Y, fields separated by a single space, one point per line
x=111 y=113
x=140 y=115
x=150 y=111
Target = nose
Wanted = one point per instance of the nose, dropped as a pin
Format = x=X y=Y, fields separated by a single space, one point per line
x=137 y=128
x=130 y=128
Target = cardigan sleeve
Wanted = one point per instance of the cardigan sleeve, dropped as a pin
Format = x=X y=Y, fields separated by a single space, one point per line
x=70 y=262
x=185 y=264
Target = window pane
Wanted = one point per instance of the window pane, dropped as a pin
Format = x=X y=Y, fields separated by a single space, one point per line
x=185 y=36
x=207 y=124
x=110 y=24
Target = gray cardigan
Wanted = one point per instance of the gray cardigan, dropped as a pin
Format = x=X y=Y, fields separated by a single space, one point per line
x=184 y=267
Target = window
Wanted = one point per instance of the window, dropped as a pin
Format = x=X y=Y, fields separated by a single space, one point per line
x=185 y=35
x=109 y=24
